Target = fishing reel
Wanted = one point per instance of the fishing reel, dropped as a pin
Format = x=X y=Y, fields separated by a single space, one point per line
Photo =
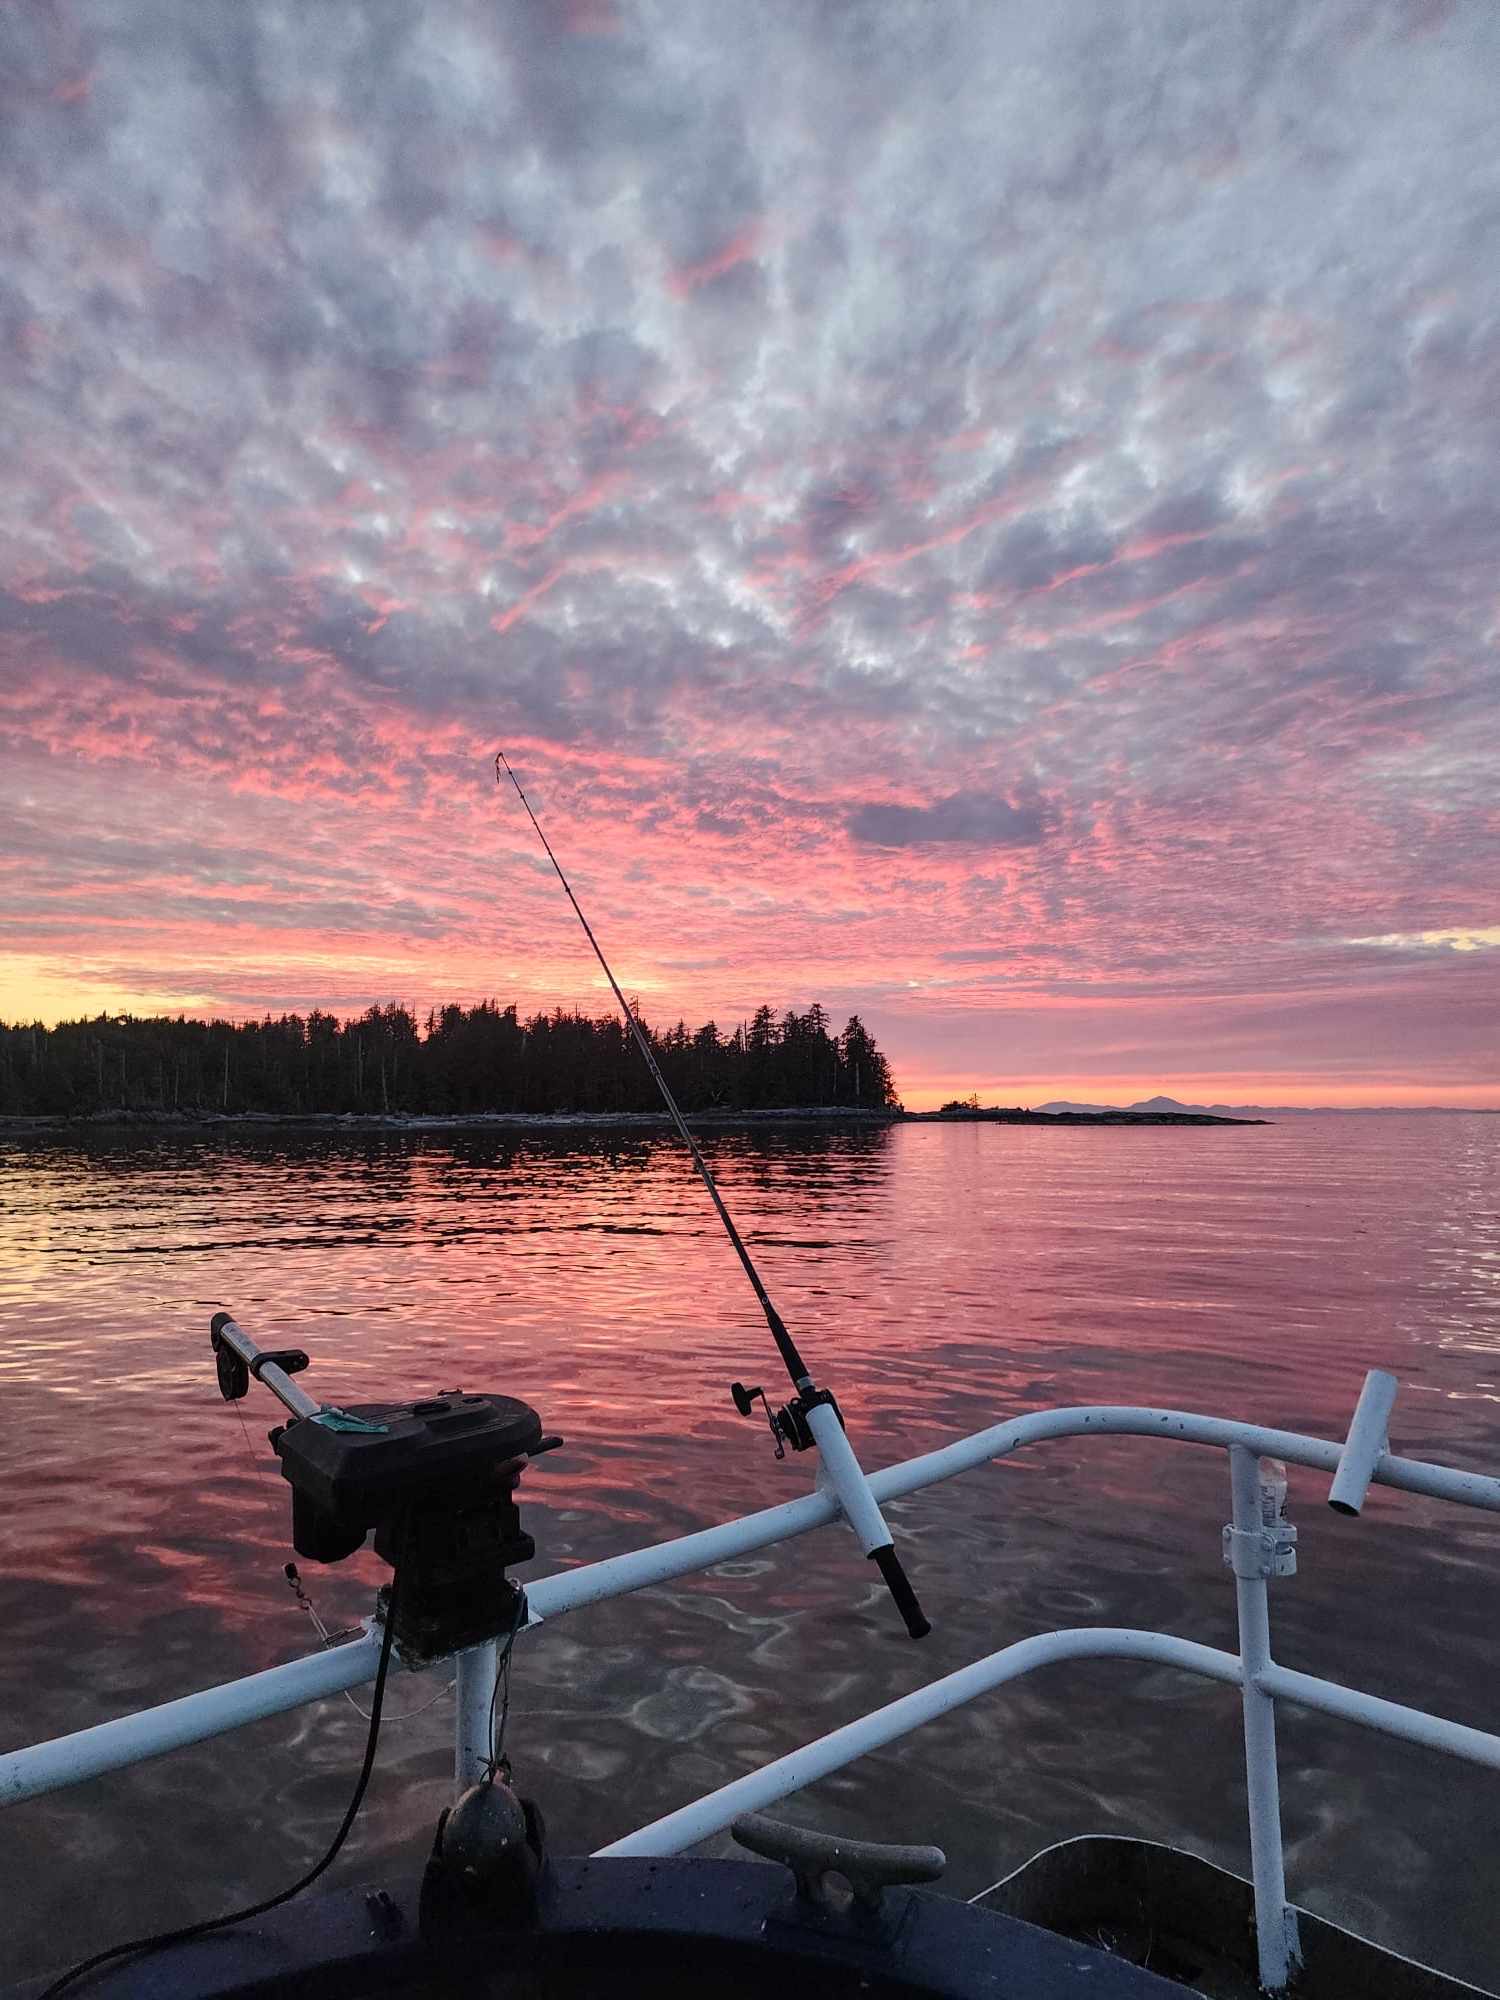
x=788 y=1424
x=434 y=1480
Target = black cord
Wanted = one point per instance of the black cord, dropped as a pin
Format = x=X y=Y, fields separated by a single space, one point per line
x=161 y=1939
x=502 y=1674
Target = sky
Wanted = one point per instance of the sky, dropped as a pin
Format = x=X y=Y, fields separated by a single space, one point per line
x=984 y=516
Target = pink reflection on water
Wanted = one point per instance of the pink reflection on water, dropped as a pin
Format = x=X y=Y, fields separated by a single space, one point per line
x=942 y=1278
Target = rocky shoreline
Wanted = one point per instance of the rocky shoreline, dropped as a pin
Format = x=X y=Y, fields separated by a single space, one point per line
x=192 y=1122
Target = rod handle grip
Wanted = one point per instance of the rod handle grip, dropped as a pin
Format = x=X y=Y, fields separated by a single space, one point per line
x=896 y=1582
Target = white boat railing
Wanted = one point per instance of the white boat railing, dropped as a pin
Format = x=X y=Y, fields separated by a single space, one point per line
x=1258 y=1544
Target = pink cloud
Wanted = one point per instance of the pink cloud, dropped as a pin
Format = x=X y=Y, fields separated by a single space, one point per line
x=980 y=600
x=741 y=248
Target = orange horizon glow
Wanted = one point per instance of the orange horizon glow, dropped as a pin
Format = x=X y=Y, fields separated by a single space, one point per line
x=998 y=616
x=919 y=1086
x=1301 y=1093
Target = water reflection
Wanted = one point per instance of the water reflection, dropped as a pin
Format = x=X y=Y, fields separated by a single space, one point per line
x=942 y=1277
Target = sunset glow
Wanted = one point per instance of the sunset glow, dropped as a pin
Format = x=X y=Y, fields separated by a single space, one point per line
x=984 y=520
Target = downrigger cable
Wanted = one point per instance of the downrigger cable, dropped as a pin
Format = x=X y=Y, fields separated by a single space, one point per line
x=811 y=1417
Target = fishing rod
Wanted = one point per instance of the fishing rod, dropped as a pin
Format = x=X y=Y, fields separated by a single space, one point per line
x=811 y=1417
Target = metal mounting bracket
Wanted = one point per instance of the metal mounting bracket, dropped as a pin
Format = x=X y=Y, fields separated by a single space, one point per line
x=1261 y=1552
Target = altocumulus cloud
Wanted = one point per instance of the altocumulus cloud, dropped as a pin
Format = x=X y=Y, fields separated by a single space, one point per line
x=904 y=477
x=969 y=818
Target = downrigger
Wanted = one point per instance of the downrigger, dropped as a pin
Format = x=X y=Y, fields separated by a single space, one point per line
x=433 y=1480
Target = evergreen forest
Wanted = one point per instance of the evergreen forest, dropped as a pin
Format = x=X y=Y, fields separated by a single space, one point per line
x=474 y=1059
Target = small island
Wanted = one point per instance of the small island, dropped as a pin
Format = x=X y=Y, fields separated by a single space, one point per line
x=1103 y=1115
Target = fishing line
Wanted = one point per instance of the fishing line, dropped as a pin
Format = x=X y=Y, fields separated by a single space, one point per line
x=259 y=1464
x=299 y=1590
x=796 y=1367
x=812 y=1417
x=294 y=1579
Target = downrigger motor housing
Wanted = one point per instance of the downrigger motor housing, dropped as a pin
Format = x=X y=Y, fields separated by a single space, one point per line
x=434 y=1480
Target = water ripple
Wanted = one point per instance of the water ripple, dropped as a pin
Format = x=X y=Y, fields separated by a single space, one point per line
x=942 y=1278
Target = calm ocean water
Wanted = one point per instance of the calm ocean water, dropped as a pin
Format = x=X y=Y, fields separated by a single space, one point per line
x=941 y=1278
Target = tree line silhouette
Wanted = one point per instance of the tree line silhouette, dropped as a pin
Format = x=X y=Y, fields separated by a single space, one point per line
x=481 y=1058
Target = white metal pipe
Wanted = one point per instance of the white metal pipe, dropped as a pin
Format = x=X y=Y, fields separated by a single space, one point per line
x=615 y=1576
x=1365 y=1445
x=553 y=1595
x=1412 y=1725
x=695 y=1822
x=1438 y=1482
x=131 y=1739
x=1275 y=1935
x=473 y=1713
x=108 y=1746
x=848 y=1479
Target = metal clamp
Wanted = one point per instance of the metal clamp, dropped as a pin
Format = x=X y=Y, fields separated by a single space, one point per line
x=1261 y=1551
x=870 y=1867
x=1270 y=1547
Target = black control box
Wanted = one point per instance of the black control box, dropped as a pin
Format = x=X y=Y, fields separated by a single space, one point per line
x=445 y=1449
x=436 y=1481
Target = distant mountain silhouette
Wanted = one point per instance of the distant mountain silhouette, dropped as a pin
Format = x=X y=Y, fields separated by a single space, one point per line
x=1148 y=1104
x=1167 y=1104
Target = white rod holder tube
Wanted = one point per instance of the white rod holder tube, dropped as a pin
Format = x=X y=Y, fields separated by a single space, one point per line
x=842 y=1471
x=1275 y=1924
x=846 y=1476
x=473 y=1714
x=1365 y=1445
